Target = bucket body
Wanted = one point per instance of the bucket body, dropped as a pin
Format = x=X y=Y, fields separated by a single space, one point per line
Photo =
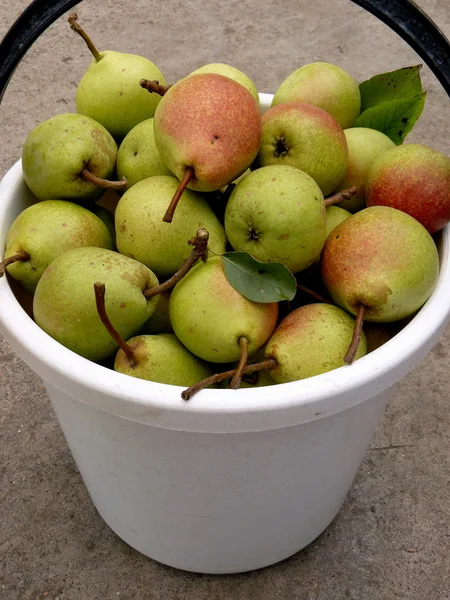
x=217 y=502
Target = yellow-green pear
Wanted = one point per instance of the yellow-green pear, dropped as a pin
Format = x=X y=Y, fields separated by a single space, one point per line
x=60 y=154
x=277 y=214
x=324 y=85
x=109 y=91
x=364 y=146
x=65 y=307
x=209 y=316
x=163 y=247
x=46 y=230
x=138 y=156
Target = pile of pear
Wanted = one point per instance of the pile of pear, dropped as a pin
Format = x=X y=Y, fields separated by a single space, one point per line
x=126 y=285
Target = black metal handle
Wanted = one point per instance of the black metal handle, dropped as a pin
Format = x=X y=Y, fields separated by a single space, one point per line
x=402 y=16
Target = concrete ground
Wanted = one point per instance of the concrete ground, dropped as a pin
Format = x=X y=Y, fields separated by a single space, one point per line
x=391 y=539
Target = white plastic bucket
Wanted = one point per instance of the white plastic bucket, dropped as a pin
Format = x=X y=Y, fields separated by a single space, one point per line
x=232 y=480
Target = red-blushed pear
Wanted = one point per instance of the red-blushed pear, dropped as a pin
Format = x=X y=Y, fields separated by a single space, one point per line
x=325 y=85
x=311 y=340
x=364 y=147
x=207 y=131
x=306 y=137
x=213 y=320
x=380 y=264
x=415 y=179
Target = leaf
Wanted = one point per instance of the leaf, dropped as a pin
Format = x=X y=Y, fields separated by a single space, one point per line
x=402 y=83
x=258 y=281
x=395 y=118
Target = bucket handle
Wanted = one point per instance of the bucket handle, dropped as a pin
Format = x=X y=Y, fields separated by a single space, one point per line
x=402 y=16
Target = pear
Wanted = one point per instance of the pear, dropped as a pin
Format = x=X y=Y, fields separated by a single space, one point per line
x=324 y=85
x=415 y=179
x=232 y=73
x=138 y=156
x=141 y=234
x=69 y=157
x=210 y=317
x=46 y=230
x=311 y=340
x=159 y=322
x=64 y=303
x=208 y=132
x=306 y=137
x=364 y=146
x=161 y=358
x=381 y=262
x=277 y=214
x=109 y=91
x=334 y=216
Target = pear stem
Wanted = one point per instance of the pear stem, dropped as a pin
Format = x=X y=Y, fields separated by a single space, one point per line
x=99 y=289
x=313 y=294
x=188 y=175
x=268 y=363
x=340 y=196
x=75 y=27
x=356 y=338
x=153 y=86
x=237 y=377
x=20 y=256
x=200 y=243
x=104 y=183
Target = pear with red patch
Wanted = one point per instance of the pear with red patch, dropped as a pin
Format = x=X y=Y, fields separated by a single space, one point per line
x=207 y=131
x=380 y=261
x=415 y=179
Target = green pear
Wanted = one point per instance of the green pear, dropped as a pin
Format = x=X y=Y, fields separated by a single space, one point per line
x=209 y=316
x=306 y=137
x=381 y=260
x=334 y=216
x=364 y=146
x=46 y=230
x=232 y=73
x=109 y=91
x=324 y=85
x=138 y=156
x=311 y=340
x=208 y=132
x=65 y=307
x=277 y=214
x=57 y=153
x=163 y=247
x=163 y=359
x=159 y=322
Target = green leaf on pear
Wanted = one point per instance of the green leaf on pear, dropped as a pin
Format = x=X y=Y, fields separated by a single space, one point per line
x=402 y=83
x=258 y=281
x=394 y=118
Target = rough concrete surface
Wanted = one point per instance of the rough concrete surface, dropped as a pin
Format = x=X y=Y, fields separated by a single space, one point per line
x=391 y=539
